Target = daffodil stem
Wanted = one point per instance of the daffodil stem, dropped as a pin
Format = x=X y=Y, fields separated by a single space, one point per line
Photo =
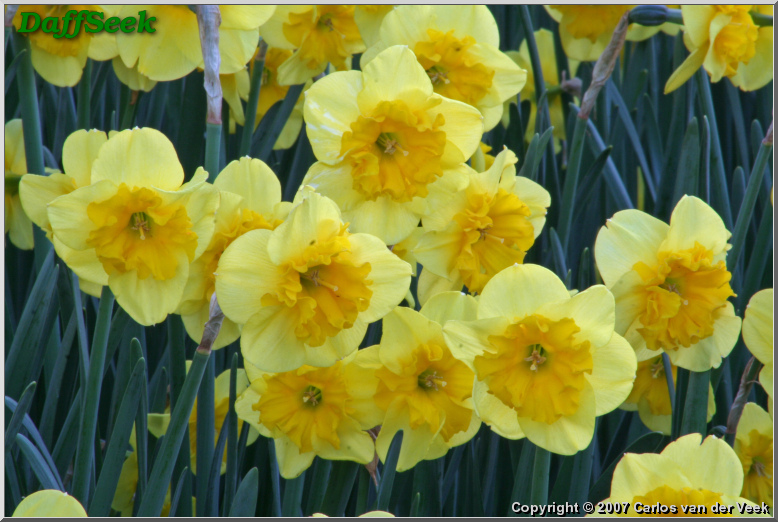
x=205 y=434
x=251 y=107
x=747 y=207
x=761 y=20
x=540 y=471
x=85 y=449
x=28 y=95
x=84 y=98
x=695 y=410
x=141 y=425
x=543 y=117
x=668 y=368
x=177 y=378
x=213 y=138
x=719 y=180
x=161 y=473
x=571 y=181
x=675 y=16
x=231 y=476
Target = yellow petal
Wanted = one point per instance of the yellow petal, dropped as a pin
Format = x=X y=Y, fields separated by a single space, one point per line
x=15 y=160
x=709 y=352
x=384 y=218
x=721 y=472
x=694 y=221
x=102 y=46
x=158 y=423
x=463 y=126
x=415 y=442
x=355 y=444
x=404 y=330
x=253 y=180
x=759 y=70
x=394 y=74
x=68 y=216
x=535 y=284
x=139 y=158
x=638 y=474
x=613 y=372
x=593 y=310
x=758 y=326
x=291 y=463
x=245 y=17
x=85 y=264
x=468 y=339
x=49 y=503
x=450 y=306
x=236 y=48
x=501 y=418
x=62 y=71
x=685 y=71
x=430 y=285
x=629 y=236
x=79 y=151
x=569 y=434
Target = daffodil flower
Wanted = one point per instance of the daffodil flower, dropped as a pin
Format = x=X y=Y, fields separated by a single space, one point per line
x=546 y=364
x=159 y=422
x=174 y=50
x=471 y=234
x=250 y=199
x=754 y=448
x=423 y=390
x=313 y=411
x=459 y=48
x=382 y=138
x=18 y=225
x=671 y=283
x=725 y=41
x=758 y=334
x=318 y=34
x=137 y=221
x=306 y=291
x=368 y=19
x=651 y=399
x=61 y=61
x=585 y=30
x=49 y=503
x=685 y=473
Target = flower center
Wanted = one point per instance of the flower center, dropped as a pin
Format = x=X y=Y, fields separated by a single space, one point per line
x=430 y=380
x=667 y=496
x=327 y=288
x=496 y=233
x=136 y=230
x=432 y=386
x=453 y=70
x=736 y=42
x=684 y=294
x=372 y=146
x=759 y=468
x=557 y=366
x=650 y=385
x=327 y=37
x=281 y=409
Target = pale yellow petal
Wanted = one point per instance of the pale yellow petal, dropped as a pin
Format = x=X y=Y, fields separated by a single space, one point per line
x=79 y=153
x=450 y=306
x=68 y=216
x=254 y=181
x=721 y=472
x=49 y=503
x=593 y=310
x=709 y=352
x=62 y=71
x=519 y=291
x=501 y=418
x=693 y=221
x=613 y=372
x=291 y=463
x=394 y=74
x=758 y=326
x=639 y=474
x=469 y=339
x=415 y=443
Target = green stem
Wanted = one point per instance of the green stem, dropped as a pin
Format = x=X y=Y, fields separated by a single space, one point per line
x=205 y=434
x=540 y=472
x=719 y=180
x=213 y=138
x=28 y=95
x=251 y=107
x=668 y=367
x=84 y=102
x=544 y=118
x=571 y=181
x=162 y=471
x=695 y=411
x=85 y=448
x=231 y=476
x=761 y=20
x=177 y=379
x=747 y=207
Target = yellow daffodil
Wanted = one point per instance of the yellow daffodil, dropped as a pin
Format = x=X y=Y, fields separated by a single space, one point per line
x=158 y=422
x=17 y=224
x=368 y=19
x=250 y=199
x=459 y=48
x=423 y=390
x=137 y=219
x=637 y=32
x=235 y=87
x=404 y=250
x=754 y=448
x=481 y=159
x=685 y=474
x=131 y=77
x=382 y=138
x=36 y=192
x=318 y=35
x=758 y=334
x=546 y=364
x=671 y=283
x=586 y=29
x=725 y=40
x=470 y=235
x=313 y=411
x=49 y=503
x=651 y=398
x=306 y=291
x=61 y=61
x=174 y=50
x=545 y=42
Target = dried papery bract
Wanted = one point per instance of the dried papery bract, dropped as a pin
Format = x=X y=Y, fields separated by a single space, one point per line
x=209 y=20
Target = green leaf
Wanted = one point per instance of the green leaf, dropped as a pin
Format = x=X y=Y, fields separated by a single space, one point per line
x=687 y=177
x=390 y=468
x=529 y=169
x=340 y=487
x=695 y=410
x=318 y=485
x=54 y=384
x=38 y=464
x=648 y=443
x=266 y=140
x=558 y=253
x=175 y=500
x=21 y=410
x=522 y=475
x=291 y=506
x=231 y=473
x=758 y=256
x=245 y=502
x=206 y=420
x=117 y=446
x=179 y=421
x=253 y=101
x=29 y=331
x=214 y=475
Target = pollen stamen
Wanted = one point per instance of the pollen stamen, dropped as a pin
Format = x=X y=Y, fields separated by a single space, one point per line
x=431 y=380
x=536 y=358
x=312 y=396
x=314 y=278
x=140 y=223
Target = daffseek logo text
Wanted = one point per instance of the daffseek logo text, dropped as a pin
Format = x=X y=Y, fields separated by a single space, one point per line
x=92 y=21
